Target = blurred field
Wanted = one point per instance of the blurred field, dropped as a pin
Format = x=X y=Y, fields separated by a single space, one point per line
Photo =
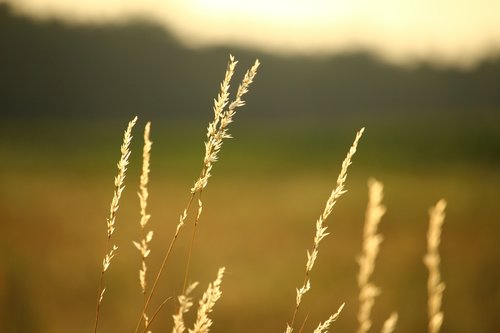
x=260 y=208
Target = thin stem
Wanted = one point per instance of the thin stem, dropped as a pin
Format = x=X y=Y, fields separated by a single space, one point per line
x=155 y=314
x=191 y=244
x=216 y=132
x=99 y=292
x=304 y=323
x=163 y=264
x=337 y=192
x=110 y=221
x=306 y=278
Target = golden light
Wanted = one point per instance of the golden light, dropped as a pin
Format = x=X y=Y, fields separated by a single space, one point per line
x=445 y=31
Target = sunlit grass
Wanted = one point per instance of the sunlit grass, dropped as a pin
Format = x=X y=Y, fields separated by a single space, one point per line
x=267 y=205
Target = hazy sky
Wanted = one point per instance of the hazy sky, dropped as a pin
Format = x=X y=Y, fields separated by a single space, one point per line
x=447 y=31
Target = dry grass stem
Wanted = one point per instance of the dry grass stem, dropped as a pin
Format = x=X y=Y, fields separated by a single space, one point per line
x=435 y=287
x=216 y=132
x=153 y=317
x=110 y=221
x=321 y=229
x=323 y=327
x=370 y=248
x=390 y=323
x=207 y=303
x=143 y=194
x=304 y=323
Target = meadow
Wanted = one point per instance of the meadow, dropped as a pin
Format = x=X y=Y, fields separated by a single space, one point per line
x=259 y=214
x=68 y=92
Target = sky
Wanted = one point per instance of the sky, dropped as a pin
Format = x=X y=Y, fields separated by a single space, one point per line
x=447 y=32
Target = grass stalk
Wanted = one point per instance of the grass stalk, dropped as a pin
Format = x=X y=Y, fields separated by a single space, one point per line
x=435 y=287
x=217 y=131
x=321 y=229
x=207 y=303
x=118 y=190
x=370 y=248
x=143 y=194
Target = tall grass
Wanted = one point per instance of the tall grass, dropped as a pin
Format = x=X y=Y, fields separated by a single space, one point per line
x=224 y=111
x=119 y=187
x=370 y=248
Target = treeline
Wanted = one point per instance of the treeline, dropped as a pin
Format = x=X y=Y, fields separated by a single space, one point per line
x=49 y=69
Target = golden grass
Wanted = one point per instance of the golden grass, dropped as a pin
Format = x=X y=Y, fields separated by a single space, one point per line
x=119 y=187
x=217 y=132
x=371 y=244
x=147 y=236
x=370 y=249
x=321 y=232
x=435 y=286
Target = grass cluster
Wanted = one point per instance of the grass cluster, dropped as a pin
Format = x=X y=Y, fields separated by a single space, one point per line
x=224 y=111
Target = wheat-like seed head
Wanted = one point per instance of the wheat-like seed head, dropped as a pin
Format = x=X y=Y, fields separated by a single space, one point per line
x=435 y=286
x=334 y=196
x=119 y=187
x=120 y=177
x=302 y=291
x=390 y=323
x=185 y=304
x=321 y=229
x=371 y=240
x=144 y=180
x=107 y=258
x=370 y=248
x=217 y=130
x=323 y=327
x=110 y=221
x=339 y=189
x=206 y=305
x=143 y=194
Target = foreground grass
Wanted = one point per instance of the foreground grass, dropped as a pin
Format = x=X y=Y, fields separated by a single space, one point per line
x=268 y=210
x=53 y=292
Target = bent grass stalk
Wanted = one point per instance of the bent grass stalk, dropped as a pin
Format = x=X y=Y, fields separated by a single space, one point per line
x=119 y=187
x=321 y=232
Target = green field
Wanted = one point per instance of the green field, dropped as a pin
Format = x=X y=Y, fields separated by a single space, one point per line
x=260 y=209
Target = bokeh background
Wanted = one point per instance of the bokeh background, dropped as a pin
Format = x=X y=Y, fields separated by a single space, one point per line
x=424 y=80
